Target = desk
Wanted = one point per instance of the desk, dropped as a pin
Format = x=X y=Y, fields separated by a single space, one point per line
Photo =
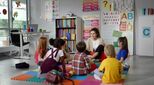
x=28 y=33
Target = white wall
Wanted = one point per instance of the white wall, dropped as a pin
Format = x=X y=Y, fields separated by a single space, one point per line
x=36 y=8
x=75 y=6
x=139 y=4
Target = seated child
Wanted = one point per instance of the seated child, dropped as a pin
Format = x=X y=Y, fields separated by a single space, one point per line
x=67 y=51
x=122 y=55
x=110 y=66
x=51 y=42
x=81 y=62
x=41 y=50
x=123 y=46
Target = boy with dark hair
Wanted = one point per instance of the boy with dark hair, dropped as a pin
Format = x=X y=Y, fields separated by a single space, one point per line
x=81 y=62
x=51 y=42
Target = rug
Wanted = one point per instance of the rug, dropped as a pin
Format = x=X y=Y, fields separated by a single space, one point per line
x=32 y=76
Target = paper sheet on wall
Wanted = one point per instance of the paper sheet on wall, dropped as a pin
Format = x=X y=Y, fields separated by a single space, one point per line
x=117 y=33
x=107 y=33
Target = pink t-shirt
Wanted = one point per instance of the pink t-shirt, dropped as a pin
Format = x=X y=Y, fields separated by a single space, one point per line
x=36 y=56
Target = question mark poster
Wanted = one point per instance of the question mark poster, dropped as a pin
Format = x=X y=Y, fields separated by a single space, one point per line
x=90 y=5
x=107 y=5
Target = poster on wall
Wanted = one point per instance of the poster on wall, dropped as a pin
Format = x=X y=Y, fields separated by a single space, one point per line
x=90 y=21
x=123 y=5
x=90 y=5
x=146 y=32
x=49 y=9
x=111 y=18
x=117 y=5
x=46 y=10
x=107 y=5
x=126 y=21
x=55 y=9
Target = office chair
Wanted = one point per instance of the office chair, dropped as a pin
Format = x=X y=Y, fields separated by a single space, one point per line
x=15 y=40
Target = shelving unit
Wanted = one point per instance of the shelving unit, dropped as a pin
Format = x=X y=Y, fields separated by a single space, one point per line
x=69 y=29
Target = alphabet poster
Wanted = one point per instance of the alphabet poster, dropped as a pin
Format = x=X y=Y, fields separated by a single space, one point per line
x=126 y=21
x=111 y=18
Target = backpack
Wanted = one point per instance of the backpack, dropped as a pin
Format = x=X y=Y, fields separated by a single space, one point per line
x=22 y=65
x=53 y=77
x=54 y=74
x=49 y=63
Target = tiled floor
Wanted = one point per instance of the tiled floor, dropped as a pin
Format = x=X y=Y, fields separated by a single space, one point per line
x=140 y=73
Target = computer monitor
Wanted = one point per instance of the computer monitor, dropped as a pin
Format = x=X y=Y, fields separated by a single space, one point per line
x=34 y=27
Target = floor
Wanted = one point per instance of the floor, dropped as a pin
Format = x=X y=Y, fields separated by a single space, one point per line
x=140 y=73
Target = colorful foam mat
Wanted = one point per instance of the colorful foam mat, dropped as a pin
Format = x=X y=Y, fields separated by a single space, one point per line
x=32 y=76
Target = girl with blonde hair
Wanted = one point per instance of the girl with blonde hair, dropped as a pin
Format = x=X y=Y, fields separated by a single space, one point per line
x=110 y=66
x=41 y=50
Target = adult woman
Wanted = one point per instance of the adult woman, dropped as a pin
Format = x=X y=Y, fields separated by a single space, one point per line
x=95 y=44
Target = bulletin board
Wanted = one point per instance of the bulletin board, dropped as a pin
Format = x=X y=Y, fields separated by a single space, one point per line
x=117 y=22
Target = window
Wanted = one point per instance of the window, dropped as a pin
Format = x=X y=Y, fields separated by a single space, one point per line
x=13 y=18
x=4 y=37
x=3 y=14
x=19 y=14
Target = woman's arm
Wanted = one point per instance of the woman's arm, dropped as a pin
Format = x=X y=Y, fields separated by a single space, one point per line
x=94 y=55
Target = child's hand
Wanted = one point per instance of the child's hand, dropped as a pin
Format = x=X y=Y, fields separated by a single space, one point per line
x=91 y=61
x=90 y=57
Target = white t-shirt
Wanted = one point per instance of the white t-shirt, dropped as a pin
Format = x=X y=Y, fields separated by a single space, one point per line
x=95 y=44
x=59 y=54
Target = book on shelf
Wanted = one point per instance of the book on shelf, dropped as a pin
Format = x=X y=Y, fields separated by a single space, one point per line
x=68 y=35
x=64 y=23
x=72 y=22
x=68 y=23
x=72 y=36
x=69 y=29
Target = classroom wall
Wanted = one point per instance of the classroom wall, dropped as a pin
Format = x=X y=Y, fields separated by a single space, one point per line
x=139 y=4
x=75 y=6
x=36 y=17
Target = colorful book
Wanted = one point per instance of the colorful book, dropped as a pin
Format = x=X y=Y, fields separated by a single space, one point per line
x=68 y=35
x=72 y=36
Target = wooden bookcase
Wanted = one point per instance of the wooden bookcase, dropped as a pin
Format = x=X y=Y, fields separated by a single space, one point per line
x=69 y=29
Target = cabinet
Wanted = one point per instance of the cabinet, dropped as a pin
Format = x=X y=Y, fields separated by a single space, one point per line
x=69 y=29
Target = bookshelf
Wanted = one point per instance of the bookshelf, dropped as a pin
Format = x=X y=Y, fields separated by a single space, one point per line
x=69 y=29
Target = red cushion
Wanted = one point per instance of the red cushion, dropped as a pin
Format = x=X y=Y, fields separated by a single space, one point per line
x=93 y=67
